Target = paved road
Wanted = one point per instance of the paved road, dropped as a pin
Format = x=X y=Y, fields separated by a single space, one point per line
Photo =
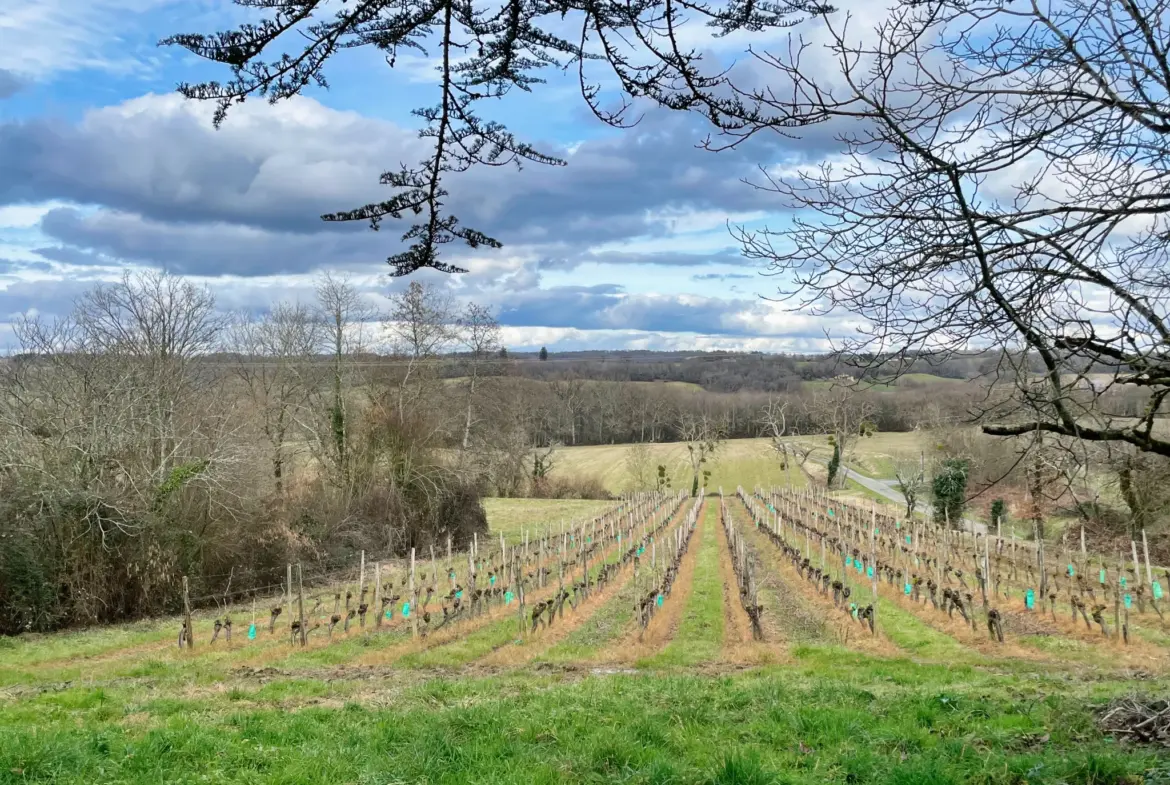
x=889 y=491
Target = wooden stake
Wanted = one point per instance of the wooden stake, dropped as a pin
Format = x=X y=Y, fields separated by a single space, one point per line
x=1117 y=597
x=301 y=605
x=1146 y=550
x=362 y=579
x=413 y=598
x=288 y=593
x=187 y=614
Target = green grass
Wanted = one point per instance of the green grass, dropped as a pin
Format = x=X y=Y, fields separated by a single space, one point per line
x=513 y=516
x=834 y=717
x=747 y=462
x=700 y=632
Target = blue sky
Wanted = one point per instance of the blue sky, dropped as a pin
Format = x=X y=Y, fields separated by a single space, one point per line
x=104 y=167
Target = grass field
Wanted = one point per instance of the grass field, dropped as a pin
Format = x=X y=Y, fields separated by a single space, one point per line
x=588 y=700
x=513 y=516
x=748 y=462
x=906 y=380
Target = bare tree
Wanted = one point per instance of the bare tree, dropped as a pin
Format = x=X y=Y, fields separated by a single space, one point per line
x=161 y=324
x=277 y=364
x=570 y=391
x=844 y=413
x=910 y=472
x=421 y=325
x=775 y=423
x=703 y=436
x=1002 y=183
x=346 y=317
x=116 y=437
x=639 y=465
x=479 y=336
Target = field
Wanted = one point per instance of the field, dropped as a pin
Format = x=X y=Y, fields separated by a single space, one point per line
x=514 y=516
x=595 y=697
x=749 y=462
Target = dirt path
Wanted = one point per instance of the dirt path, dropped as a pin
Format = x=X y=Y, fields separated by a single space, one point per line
x=637 y=643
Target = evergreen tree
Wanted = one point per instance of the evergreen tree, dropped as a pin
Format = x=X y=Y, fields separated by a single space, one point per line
x=950 y=490
x=543 y=353
x=834 y=464
x=998 y=512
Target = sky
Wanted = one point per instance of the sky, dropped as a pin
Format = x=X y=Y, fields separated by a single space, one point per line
x=104 y=168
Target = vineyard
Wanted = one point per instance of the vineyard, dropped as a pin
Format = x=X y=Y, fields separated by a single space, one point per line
x=770 y=635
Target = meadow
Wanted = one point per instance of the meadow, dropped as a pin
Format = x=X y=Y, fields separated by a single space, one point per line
x=749 y=462
x=593 y=697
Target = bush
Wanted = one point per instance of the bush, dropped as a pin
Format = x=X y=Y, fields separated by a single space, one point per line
x=569 y=488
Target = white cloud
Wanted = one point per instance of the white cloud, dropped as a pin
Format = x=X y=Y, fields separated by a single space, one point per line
x=570 y=339
x=25 y=216
x=49 y=36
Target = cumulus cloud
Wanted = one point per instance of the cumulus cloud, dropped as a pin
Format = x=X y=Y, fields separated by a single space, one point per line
x=149 y=182
x=278 y=168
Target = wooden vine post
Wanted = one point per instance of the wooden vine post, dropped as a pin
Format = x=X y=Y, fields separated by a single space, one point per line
x=288 y=591
x=1117 y=597
x=471 y=584
x=378 y=593
x=362 y=580
x=413 y=598
x=190 y=636
x=301 y=605
x=873 y=581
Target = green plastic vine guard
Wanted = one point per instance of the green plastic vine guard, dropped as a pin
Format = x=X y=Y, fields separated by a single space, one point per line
x=1157 y=590
x=406 y=610
x=848 y=562
x=1101 y=577
x=508 y=597
x=1128 y=601
x=1030 y=599
x=1072 y=571
x=658 y=602
x=907 y=589
x=869 y=571
x=252 y=631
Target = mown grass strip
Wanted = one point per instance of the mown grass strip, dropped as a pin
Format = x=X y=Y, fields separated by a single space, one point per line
x=699 y=637
x=841 y=719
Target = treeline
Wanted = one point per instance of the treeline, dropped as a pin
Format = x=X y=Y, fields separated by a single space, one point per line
x=744 y=371
x=128 y=460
